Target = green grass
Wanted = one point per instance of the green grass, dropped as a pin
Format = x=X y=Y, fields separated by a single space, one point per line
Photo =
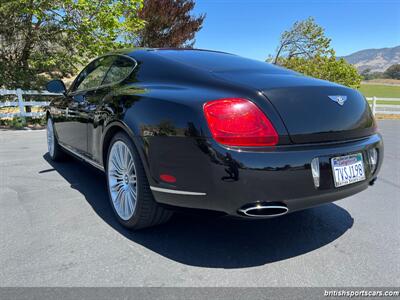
x=386 y=102
x=384 y=91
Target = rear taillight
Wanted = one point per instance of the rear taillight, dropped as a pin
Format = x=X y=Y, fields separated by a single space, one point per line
x=239 y=122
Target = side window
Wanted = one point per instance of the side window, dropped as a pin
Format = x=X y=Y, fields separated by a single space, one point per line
x=119 y=70
x=94 y=73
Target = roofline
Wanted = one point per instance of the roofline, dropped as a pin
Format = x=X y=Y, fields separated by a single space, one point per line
x=128 y=51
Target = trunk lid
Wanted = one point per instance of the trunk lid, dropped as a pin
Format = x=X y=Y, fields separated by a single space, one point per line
x=307 y=107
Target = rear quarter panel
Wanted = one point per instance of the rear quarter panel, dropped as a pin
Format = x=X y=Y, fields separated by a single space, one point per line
x=167 y=124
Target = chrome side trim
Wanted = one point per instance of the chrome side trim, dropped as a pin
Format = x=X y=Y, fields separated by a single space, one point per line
x=169 y=191
x=84 y=158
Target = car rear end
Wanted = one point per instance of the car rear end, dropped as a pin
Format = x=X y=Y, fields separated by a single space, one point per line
x=276 y=172
x=290 y=142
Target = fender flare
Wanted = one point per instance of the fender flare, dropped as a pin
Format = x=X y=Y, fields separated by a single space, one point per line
x=137 y=140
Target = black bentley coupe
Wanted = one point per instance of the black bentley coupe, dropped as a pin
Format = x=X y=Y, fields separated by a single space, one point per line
x=210 y=130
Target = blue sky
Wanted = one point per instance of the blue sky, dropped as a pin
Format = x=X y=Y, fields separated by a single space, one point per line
x=252 y=28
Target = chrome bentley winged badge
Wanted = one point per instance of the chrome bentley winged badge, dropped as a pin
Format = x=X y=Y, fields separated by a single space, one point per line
x=338 y=99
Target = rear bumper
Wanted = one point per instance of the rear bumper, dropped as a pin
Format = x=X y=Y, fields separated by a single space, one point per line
x=210 y=176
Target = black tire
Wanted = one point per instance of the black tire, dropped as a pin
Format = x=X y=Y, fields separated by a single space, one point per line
x=57 y=154
x=147 y=211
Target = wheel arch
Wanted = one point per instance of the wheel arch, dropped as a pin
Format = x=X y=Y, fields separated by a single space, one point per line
x=119 y=126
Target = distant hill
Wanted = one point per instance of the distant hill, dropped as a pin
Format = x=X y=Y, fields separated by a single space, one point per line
x=378 y=60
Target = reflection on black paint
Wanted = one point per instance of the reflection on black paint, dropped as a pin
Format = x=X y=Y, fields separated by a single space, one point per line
x=232 y=170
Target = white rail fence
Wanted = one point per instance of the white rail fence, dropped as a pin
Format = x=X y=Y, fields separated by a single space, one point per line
x=389 y=109
x=377 y=108
x=21 y=104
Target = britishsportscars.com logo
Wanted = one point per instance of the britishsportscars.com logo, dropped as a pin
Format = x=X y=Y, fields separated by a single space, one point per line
x=362 y=293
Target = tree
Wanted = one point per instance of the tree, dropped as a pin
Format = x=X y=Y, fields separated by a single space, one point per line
x=393 y=71
x=45 y=38
x=305 y=39
x=168 y=23
x=327 y=68
x=368 y=75
x=305 y=49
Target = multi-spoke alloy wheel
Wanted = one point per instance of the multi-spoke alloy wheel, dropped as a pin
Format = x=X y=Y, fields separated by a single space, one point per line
x=122 y=180
x=128 y=187
x=50 y=137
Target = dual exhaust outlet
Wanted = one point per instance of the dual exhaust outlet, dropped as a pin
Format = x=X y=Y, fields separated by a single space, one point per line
x=270 y=209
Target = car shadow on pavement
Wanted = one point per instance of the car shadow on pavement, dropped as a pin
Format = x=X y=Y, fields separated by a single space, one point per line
x=217 y=242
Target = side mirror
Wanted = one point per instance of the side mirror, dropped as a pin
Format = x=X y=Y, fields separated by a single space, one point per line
x=56 y=86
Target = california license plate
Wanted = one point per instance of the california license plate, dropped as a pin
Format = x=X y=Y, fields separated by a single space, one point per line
x=348 y=169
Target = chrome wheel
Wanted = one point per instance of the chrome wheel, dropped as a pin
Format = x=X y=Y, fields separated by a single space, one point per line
x=122 y=180
x=50 y=137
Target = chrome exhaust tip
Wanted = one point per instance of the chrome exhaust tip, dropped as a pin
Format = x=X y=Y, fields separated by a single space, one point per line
x=260 y=210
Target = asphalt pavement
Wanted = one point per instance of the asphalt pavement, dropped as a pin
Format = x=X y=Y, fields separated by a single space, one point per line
x=57 y=229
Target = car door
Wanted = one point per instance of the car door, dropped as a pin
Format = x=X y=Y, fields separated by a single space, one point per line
x=72 y=129
x=98 y=106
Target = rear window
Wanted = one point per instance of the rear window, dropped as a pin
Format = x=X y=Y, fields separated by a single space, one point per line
x=119 y=70
x=217 y=61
